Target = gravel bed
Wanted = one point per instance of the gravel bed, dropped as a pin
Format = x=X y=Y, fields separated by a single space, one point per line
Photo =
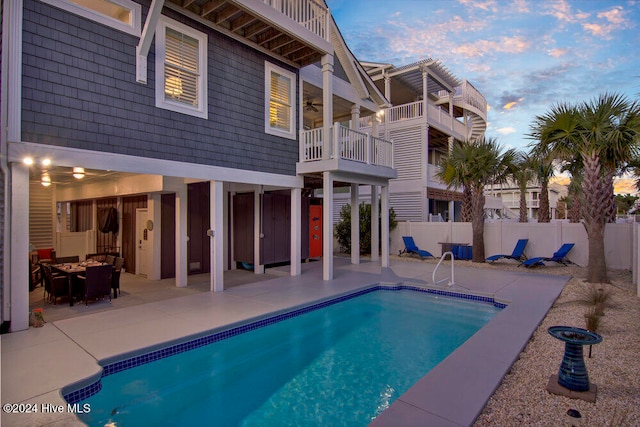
x=522 y=398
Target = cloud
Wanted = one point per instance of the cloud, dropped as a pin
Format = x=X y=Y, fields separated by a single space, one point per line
x=557 y=52
x=479 y=48
x=512 y=104
x=506 y=131
x=561 y=10
x=614 y=19
x=487 y=5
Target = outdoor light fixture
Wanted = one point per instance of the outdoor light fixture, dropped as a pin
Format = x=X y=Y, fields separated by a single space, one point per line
x=28 y=161
x=45 y=180
x=45 y=162
x=78 y=173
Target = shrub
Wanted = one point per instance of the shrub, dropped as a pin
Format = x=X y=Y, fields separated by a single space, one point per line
x=343 y=228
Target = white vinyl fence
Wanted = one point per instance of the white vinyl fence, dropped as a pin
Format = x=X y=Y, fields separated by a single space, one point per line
x=621 y=240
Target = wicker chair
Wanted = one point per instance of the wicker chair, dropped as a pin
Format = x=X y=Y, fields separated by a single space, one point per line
x=97 y=282
x=55 y=286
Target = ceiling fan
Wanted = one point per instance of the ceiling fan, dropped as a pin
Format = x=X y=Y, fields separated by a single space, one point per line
x=311 y=106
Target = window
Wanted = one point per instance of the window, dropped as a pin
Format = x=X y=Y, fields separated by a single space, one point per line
x=181 y=68
x=123 y=15
x=280 y=113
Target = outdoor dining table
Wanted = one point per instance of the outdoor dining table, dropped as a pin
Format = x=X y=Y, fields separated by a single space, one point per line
x=73 y=269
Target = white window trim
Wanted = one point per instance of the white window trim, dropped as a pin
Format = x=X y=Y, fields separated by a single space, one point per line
x=133 y=28
x=291 y=133
x=202 y=109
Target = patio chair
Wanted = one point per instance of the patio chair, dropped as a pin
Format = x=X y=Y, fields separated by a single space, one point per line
x=559 y=257
x=55 y=286
x=517 y=254
x=411 y=248
x=97 y=282
x=115 y=278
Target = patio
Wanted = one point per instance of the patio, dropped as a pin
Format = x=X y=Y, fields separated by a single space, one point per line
x=38 y=362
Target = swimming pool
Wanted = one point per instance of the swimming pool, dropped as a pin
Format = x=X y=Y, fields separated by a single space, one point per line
x=340 y=362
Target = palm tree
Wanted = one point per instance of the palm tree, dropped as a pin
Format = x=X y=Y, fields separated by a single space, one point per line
x=522 y=173
x=472 y=166
x=543 y=170
x=603 y=134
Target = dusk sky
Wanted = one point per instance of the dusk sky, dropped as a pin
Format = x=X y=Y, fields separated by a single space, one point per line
x=523 y=55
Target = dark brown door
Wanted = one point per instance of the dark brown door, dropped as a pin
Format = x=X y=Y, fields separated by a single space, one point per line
x=197 y=226
x=243 y=205
x=168 y=236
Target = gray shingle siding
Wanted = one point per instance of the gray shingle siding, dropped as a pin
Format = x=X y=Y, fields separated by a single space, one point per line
x=79 y=91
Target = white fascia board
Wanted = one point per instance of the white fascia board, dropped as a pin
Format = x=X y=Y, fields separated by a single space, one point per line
x=70 y=157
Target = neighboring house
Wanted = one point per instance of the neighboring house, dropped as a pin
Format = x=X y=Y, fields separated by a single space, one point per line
x=431 y=111
x=204 y=124
x=509 y=193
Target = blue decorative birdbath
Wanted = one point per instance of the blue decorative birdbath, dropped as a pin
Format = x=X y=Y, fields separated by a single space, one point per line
x=573 y=372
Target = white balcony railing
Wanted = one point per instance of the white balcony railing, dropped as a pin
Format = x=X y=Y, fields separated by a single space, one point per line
x=531 y=203
x=348 y=144
x=311 y=14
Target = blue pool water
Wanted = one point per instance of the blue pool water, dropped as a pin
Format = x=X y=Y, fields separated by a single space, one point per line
x=342 y=364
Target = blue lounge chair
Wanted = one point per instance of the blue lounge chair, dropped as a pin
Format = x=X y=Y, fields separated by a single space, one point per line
x=559 y=257
x=517 y=254
x=411 y=248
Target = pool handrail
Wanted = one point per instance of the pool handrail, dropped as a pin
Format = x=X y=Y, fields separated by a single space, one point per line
x=452 y=278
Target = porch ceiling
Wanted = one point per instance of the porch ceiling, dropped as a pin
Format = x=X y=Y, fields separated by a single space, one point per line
x=63 y=176
x=234 y=18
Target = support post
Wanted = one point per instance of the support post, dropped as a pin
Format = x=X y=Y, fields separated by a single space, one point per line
x=355 y=225
x=181 y=237
x=296 y=231
x=216 y=239
x=257 y=226
x=19 y=250
x=385 y=225
x=327 y=226
x=375 y=220
x=327 y=104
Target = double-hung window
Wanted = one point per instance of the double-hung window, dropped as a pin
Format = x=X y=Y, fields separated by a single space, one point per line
x=280 y=111
x=181 y=68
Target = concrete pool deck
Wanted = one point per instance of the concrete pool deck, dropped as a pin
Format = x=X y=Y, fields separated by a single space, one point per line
x=39 y=362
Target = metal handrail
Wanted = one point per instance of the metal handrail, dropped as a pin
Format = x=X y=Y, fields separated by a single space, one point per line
x=452 y=278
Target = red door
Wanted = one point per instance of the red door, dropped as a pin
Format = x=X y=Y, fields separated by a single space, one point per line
x=315 y=231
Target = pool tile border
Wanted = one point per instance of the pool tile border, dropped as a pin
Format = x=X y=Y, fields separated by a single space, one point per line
x=77 y=395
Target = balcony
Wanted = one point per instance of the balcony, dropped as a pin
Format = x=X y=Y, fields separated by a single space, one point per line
x=409 y=114
x=345 y=150
x=295 y=30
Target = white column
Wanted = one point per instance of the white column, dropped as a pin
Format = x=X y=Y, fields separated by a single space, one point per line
x=375 y=219
x=384 y=211
x=327 y=226
x=216 y=240
x=327 y=104
x=355 y=117
x=181 y=237
x=425 y=154
x=355 y=225
x=257 y=227
x=296 y=231
x=19 y=251
x=154 y=206
x=387 y=86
